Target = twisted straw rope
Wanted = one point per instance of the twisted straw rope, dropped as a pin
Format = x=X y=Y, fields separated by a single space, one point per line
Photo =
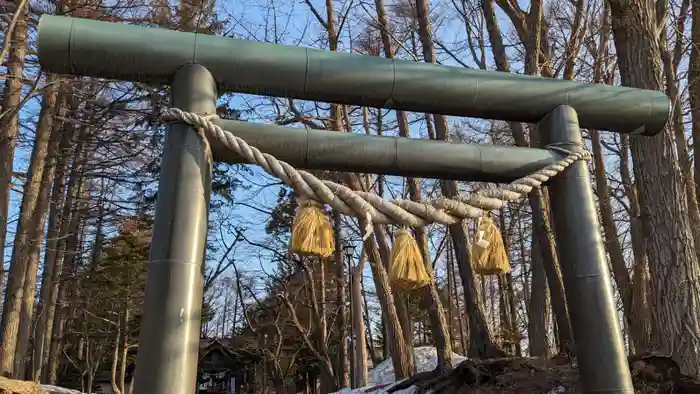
x=374 y=208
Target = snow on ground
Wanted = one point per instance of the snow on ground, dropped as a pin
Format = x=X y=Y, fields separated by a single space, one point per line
x=382 y=390
x=382 y=377
x=58 y=390
x=426 y=360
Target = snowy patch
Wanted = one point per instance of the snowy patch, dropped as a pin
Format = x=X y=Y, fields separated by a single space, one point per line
x=382 y=377
x=557 y=390
x=374 y=390
x=426 y=360
x=58 y=390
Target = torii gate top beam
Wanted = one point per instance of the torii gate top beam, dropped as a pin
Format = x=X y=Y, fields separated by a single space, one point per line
x=121 y=51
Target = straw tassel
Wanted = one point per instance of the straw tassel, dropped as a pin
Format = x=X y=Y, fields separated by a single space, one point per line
x=312 y=232
x=406 y=268
x=489 y=255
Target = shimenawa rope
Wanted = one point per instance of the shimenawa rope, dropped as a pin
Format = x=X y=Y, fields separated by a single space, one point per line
x=369 y=205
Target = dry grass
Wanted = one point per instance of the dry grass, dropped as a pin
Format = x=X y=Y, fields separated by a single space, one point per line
x=11 y=386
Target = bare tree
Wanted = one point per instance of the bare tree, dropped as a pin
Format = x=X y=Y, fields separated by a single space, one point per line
x=481 y=343
x=9 y=129
x=664 y=206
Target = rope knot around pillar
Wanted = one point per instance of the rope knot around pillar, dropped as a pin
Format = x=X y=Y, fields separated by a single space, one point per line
x=374 y=208
x=568 y=148
x=175 y=115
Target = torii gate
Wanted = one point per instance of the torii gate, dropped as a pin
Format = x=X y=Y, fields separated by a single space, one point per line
x=196 y=64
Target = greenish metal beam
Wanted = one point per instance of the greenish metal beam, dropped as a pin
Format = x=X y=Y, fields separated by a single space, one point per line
x=348 y=152
x=120 y=51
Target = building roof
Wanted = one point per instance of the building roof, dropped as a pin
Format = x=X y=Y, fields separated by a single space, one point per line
x=234 y=347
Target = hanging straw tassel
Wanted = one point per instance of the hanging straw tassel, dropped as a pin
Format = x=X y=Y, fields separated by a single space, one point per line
x=489 y=255
x=312 y=232
x=406 y=268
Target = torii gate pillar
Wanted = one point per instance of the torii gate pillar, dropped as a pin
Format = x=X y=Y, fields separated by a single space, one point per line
x=169 y=339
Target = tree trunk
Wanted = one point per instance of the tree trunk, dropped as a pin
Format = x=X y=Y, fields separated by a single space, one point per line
x=450 y=304
x=538 y=203
x=694 y=89
x=505 y=325
x=612 y=242
x=15 y=329
x=377 y=245
x=124 y=345
x=342 y=322
x=368 y=323
x=481 y=342
x=670 y=243
x=359 y=378
x=460 y=315
x=23 y=353
x=640 y=281
x=508 y=291
x=131 y=385
x=321 y=330
x=400 y=301
x=430 y=298
x=46 y=151
x=400 y=347
x=46 y=309
x=525 y=273
x=393 y=337
x=9 y=129
x=670 y=63
x=429 y=295
x=317 y=341
x=90 y=379
x=514 y=315
x=72 y=220
x=59 y=322
x=115 y=357
x=336 y=119
x=537 y=316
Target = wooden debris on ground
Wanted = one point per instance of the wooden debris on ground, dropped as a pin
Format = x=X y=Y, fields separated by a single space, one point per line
x=652 y=374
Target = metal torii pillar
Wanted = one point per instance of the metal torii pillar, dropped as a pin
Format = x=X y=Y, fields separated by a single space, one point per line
x=169 y=339
x=602 y=361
